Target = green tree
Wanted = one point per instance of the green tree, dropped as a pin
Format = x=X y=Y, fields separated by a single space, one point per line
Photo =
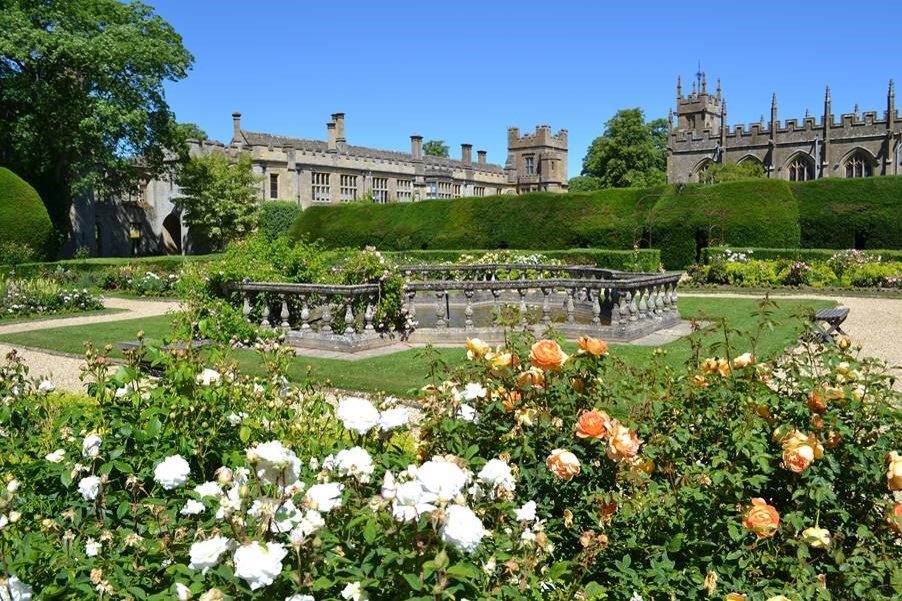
x=192 y=131
x=728 y=172
x=630 y=153
x=219 y=197
x=436 y=148
x=81 y=96
x=584 y=183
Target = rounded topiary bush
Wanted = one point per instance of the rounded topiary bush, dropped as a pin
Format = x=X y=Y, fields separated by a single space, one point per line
x=23 y=216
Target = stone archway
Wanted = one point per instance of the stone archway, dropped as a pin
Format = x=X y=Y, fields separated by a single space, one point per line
x=172 y=235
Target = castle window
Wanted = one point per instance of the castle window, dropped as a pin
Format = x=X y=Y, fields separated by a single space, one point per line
x=405 y=190
x=321 y=187
x=478 y=190
x=456 y=193
x=380 y=190
x=530 y=165
x=273 y=185
x=858 y=165
x=800 y=170
x=432 y=189
x=347 y=188
x=444 y=190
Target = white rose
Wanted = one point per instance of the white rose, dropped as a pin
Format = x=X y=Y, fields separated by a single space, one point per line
x=15 y=590
x=358 y=415
x=89 y=487
x=172 y=472
x=353 y=592
x=12 y=486
x=182 y=592
x=275 y=462
x=324 y=497
x=46 y=386
x=192 y=507
x=527 y=512
x=90 y=447
x=92 y=547
x=257 y=564
x=463 y=530
x=442 y=478
x=473 y=391
x=392 y=419
x=467 y=413
x=56 y=456
x=208 y=377
x=208 y=489
x=355 y=462
x=411 y=501
x=497 y=473
x=389 y=487
x=205 y=554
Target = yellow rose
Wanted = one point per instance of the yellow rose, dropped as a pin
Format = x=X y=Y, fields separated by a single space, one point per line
x=592 y=346
x=564 y=464
x=622 y=443
x=476 y=348
x=709 y=366
x=500 y=361
x=894 y=471
x=547 y=354
x=743 y=360
x=700 y=381
x=817 y=538
x=723 y=367
x=845 y=342
x=800 y=451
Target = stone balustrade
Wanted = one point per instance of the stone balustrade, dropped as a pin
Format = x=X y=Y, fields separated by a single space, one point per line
x=452 y=303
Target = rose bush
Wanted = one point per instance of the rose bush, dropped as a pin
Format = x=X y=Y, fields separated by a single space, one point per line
x=583 y=479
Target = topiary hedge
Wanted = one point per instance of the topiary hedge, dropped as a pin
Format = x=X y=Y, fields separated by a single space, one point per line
x=850 y=213
x=645 y=259
x=23 y=216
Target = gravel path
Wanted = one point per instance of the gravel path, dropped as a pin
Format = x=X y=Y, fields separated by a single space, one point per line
x=874 y=323
x=64 y=370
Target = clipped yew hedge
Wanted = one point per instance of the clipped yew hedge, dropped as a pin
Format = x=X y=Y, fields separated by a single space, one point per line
x=23 y=216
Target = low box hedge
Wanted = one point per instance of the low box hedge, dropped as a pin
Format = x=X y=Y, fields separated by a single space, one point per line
x=166 y=263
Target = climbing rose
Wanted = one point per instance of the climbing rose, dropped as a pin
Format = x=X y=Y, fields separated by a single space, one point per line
x=259 y=564
x=463 y=530
x=172 y=472
x=593 y=424
x=894 y=471
x=358 y=415
x=547 y=354
x=563 y=463
x=592 y=346
x=762 y=519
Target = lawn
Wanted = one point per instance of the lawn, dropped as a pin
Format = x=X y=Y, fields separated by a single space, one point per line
x=5 y=321
x=400 y=372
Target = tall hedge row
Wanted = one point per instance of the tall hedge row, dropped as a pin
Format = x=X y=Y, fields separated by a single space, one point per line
x=679 y=221
x=23 y=216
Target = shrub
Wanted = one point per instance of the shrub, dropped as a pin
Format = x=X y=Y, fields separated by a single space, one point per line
x=41 y=296
x=23 y=217
x=275 y=217
x=873 y=275
x=753 y=274
x=809 y=255
x=15 y=253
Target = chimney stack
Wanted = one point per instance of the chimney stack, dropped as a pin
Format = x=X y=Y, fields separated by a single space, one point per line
x=339 y=119
x=236 y=126
x=466 y=153
x=416 y=147
x=480 y=157
x=330 y=129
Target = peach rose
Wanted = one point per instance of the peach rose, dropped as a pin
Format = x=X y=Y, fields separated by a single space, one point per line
x=818 y=398
x=592 y=346
x=622 y=443
x=762 y=519
x=564 y=464
x=476 y=348
x=533 y=376
x=800 y=451
x=547 y=354
x=593 y=424
x=743 y=360
x=895 y=518
x=817 y=538
x=894 y=471
x=700 y=381
x=709 y=366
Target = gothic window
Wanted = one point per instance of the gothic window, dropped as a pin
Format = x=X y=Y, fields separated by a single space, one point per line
x=530 y=166
x=858 y=165
x=800 y=169
x=702 y=175
x=273 y=185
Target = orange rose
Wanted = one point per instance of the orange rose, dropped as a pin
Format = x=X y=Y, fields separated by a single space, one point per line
x=895 y=518
x=623 y=443
x=547 y=354
x=800 y=451
x=894 y=471
x=762 y=519
x=476 y=348
x=593 y=424
x=818 y=398
x=533 y=376
x=564 y=464
x=592 y=346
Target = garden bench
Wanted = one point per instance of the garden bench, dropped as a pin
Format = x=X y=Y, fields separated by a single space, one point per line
x=147 y=366
x=826 y=323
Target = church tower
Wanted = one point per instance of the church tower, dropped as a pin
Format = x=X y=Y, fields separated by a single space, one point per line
x=699 y=110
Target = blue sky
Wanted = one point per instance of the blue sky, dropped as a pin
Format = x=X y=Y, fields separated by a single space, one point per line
x=464 y=71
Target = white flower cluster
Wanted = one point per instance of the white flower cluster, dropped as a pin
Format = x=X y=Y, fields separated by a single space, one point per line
x=360 y=416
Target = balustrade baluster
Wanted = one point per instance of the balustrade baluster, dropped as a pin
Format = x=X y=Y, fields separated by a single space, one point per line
x=265 y=321
x=659 y=302
x=673 y=296
x=305 y=313
x=468 y=311
x=546 y=306
x=631 y=303
x=570 y=308
x=349 y=315
x=596 y=309
x=285 y=314
x=440 y=310
x=327 y=315
x=624 y=309
x=523 y=308
x=368 y=315
x=246 y=309
x=643 y=303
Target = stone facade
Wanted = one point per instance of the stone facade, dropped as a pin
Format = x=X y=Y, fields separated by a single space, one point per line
x=316 y=172
x=858 y=145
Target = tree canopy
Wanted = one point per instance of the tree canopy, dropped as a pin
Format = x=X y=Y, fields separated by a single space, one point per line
x=630 y=153
x=219 y=197
x=436 y=148
x=82 y=98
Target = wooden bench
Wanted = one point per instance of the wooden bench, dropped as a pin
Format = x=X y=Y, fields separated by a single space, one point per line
x=826 y=324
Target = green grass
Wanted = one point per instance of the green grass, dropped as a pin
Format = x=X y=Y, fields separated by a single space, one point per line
x=398 y=373
x=4 y=321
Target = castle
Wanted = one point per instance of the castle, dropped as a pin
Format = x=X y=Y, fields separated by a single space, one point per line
x=330 y=171
x=858 y=145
